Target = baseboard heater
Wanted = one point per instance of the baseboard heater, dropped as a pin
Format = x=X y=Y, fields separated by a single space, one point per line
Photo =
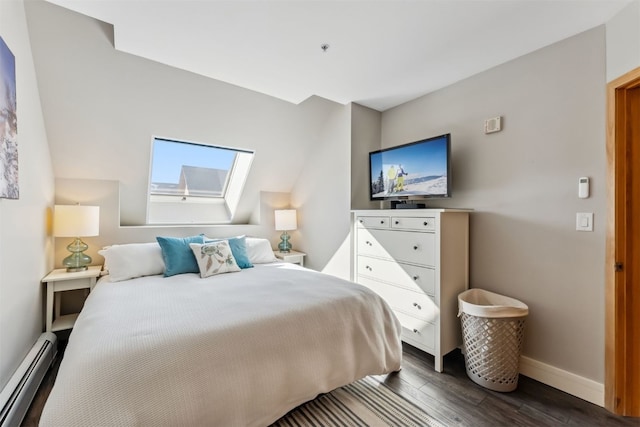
x=17 y=395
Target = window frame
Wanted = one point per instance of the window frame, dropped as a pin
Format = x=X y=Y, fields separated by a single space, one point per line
x=174 y=209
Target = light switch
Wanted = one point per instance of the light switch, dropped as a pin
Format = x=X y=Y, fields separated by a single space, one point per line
x=584 y=221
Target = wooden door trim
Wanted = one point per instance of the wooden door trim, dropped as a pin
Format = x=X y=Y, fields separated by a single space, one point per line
x=622 y=343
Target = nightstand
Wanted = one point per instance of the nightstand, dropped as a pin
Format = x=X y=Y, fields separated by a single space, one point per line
x=293 y=257
x=59 y=281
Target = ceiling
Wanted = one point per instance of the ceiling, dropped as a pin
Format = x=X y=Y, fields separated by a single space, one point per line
x=381 y=53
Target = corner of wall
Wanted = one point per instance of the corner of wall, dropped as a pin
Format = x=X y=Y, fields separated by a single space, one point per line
x=623 y=41
x=366 y=125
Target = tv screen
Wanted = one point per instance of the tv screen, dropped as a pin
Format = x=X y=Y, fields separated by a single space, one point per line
x=416 y=170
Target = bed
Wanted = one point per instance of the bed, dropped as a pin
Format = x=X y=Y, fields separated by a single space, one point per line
x=238 y=349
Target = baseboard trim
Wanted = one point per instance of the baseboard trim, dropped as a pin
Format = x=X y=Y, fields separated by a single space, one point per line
x=578 y=386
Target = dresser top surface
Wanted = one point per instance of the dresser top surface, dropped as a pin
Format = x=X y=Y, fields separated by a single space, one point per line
x=406 y=212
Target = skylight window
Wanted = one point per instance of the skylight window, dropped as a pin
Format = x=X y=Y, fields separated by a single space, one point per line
x=194 y=182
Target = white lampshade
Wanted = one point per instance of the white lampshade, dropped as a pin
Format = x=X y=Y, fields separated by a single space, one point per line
x=76 y=221
x=286 y=220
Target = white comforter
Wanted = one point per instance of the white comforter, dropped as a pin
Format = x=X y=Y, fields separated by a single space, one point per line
x=237 y=349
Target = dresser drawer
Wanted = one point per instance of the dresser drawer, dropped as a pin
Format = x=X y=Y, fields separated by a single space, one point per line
x=413 y=303
x=418 y=332
x=413 y=277
x=404 y=246
x=409 y=223
x=373 y=221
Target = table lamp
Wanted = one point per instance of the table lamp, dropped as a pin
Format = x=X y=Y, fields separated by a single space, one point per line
x=285 y=221
x=76 y=221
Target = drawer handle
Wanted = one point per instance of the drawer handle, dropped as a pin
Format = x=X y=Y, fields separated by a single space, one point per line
x=361 y=221
x=416 y=305
x=426 y=223
x=415 y=278
x=368 y=243
x=397 y=222
x=368 y=268
x=415 y=247
x=415 y=331
x=382 y=221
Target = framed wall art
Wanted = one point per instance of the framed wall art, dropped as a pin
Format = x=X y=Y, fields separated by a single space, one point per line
x=9 y=188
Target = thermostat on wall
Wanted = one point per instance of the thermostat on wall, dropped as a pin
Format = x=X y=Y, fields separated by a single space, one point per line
x=583 y=187
x=493 y=125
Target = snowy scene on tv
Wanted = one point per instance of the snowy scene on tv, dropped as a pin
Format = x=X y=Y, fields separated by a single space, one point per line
x=414 y=170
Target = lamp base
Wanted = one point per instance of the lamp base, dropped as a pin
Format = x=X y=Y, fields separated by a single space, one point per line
x=77 y=261
x=285 y=245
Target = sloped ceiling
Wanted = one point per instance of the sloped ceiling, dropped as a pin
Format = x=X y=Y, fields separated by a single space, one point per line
x=380 y=53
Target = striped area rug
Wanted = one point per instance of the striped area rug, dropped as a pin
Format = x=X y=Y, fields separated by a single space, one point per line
x=367 y=402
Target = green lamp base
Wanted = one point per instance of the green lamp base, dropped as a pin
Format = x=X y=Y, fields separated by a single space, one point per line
x=77 y=261
x=285 y=245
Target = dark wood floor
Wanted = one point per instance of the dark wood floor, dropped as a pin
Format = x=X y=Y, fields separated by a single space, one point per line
x=455 y=400
x=452 y=398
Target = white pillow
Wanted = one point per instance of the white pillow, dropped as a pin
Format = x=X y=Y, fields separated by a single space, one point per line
x=214 y=258
x=132 y=260
x=259 y=250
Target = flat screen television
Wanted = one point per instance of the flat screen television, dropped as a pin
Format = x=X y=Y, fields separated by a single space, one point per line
x=418 y=170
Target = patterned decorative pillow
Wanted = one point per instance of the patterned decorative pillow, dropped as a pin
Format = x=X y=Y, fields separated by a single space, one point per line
x=238 y=249
x=214 y=258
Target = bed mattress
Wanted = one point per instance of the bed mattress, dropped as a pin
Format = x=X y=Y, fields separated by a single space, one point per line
x=236 y=349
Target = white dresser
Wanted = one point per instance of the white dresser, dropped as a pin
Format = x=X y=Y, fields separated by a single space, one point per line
x=418 y=261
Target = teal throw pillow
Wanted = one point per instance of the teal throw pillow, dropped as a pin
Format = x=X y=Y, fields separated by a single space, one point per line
x=238 y=249
x=177 y=254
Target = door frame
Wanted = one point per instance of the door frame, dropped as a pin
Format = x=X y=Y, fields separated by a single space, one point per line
x=622 y=340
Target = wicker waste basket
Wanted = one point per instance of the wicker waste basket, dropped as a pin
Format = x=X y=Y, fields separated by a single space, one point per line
x=492 y=335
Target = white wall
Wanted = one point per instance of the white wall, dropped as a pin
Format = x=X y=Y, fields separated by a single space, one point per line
x=103 y=107
x=522 y=185
x=25 y=248
x=623 y=41
x=321 y=195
